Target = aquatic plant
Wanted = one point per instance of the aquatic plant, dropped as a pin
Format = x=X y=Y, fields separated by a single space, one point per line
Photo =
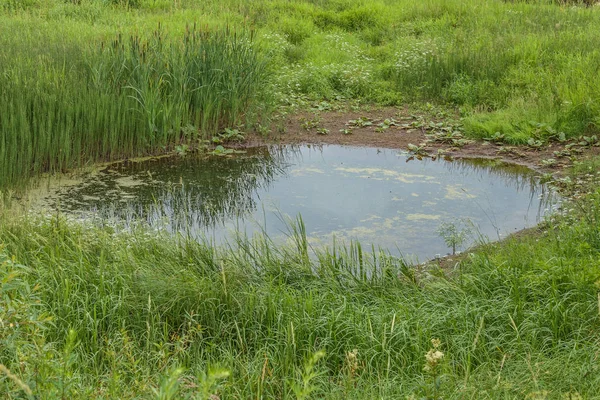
x=455 y=233
x=120 y=98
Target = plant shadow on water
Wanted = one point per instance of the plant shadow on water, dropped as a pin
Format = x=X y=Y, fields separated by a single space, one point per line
x=377 y=197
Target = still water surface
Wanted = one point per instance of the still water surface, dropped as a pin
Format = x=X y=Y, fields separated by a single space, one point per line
x=376 y=196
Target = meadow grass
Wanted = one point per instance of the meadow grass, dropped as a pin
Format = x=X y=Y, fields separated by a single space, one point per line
x=93 y=80
x=96 y=312
x=91 y=312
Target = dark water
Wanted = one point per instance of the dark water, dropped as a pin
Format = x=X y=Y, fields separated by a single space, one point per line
x=375 y=196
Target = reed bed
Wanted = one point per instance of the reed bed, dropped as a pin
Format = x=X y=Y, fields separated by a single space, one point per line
x=67 y=106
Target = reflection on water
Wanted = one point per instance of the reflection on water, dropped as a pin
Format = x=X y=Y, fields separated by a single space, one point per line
x=372 y=195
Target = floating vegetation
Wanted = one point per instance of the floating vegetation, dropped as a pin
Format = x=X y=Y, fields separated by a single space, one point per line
x=370 y=195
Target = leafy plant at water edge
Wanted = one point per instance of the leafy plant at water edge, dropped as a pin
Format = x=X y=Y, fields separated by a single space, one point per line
x=222 y=151
x=361 y=122
x=588 y=141
x=229 y=135
x=182 y=149
x=311 y=123
x=417 y=150
x=536 y=144
x=497 y=137
x=455 y=233
x=386 y=124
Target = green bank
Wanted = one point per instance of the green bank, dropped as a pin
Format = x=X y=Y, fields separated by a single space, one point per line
x=97 y=80
x=89 y=311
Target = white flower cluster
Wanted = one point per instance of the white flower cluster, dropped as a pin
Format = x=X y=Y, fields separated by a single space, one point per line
x=274 y=42
x=416 y=55
x=434 y=357
x=352 y=77
x=338 y=42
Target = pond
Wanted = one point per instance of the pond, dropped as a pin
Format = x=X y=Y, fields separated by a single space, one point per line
x=379 y=197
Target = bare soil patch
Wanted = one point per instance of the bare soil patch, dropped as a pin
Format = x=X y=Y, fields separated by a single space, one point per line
x=363 y=128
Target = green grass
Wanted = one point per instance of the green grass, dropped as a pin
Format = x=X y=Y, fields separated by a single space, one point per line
x=88 y=312
x=71 y=97
x=505 y=66
x=97 y=313
x=65 y=104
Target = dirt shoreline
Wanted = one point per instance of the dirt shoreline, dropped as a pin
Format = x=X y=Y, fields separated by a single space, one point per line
x=333 y=127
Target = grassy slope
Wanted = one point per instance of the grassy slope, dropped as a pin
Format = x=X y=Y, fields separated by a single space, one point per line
x=520 y=69
x=516 y=320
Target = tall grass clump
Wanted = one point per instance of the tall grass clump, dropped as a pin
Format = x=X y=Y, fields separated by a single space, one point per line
x=67 y=104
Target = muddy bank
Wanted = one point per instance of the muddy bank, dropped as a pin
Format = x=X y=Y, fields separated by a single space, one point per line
x=398 y=128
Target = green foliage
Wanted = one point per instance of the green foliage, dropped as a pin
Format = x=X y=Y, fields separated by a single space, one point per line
x=90 y=311
x=90 y=102
x=130 y=309
x=124 y=97
x=455 y=233
x=296 y=30
x=305 y=387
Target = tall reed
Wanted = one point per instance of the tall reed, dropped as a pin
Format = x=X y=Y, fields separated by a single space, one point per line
x=62 y=107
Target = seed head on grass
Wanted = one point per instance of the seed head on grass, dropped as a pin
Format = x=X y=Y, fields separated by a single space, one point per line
x=352 y=363
x=22 y=385
x=433 y=357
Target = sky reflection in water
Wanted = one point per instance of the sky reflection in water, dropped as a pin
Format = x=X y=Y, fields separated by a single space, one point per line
x=372 y=195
